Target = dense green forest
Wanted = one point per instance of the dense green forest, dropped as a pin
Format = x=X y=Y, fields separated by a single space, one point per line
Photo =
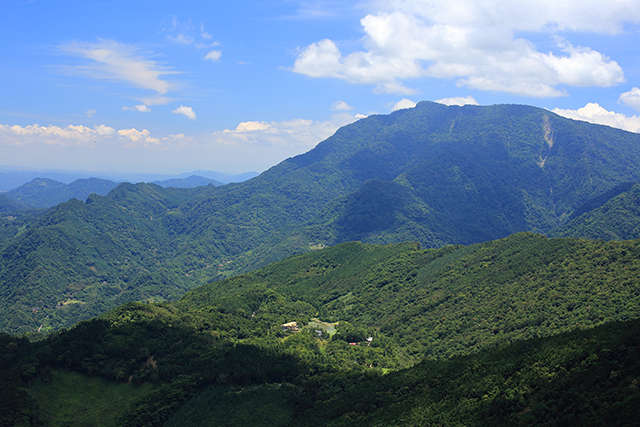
x=291 y=299
x=613 y=216
x=466 y=335
x=433 y=174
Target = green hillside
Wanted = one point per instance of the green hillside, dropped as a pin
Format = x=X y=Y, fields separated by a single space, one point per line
x=8 y=205
x=461 y=313
x=433 y=174
x=614 y=216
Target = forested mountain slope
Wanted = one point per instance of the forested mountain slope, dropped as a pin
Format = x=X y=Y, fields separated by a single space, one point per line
x=8 y=205
x=616 y=216
x=359 y=309
x=433 y=174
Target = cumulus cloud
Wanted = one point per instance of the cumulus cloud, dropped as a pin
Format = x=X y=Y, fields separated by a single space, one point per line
x=474 y=42
x=341 y=106
x=110 y=60
x=300 y=134
x=458 y=100
x=74 y=136
x=52 y=135
x=185 y=111
x=214 y=55
x=136 y=137
x=90 y=112
x=594 y=113
x=141 y=108
x=402 y=104
x=631 y=98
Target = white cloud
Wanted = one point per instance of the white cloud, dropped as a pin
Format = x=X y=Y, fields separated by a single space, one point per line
x=631 y=98
x=141 y=108
x=214 y=55
x=522 y=15
x=156 y=100
x=402 y=104
x=74 y=136
x=203 y=33
x=341 y=106
x=251 y=126
x=111 y=60
x=185 y=111
x=458 y=100
x=181 y=38
x=90 y=112
x=203 y=45
x=136 y=137
x=475 y=43
x=299 y=134
x=594 y=113
x=52 y=135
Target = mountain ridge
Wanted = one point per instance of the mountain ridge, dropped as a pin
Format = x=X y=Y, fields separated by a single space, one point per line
x=435 y=174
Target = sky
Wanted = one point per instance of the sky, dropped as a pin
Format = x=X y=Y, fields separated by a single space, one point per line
x=171 y=87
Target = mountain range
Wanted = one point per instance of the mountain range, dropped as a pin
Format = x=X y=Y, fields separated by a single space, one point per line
x=433 y=174
x=436 y=266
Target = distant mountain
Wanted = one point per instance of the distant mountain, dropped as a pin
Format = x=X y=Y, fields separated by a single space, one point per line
x=45 y=193
x=434 y=174
x=11 y=178
x=189 y=182
x=224 y=177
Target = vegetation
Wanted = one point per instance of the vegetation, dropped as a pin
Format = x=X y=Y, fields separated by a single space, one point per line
x=613 y=216
x=68 y=398
x=433 y=174
x=469 y=335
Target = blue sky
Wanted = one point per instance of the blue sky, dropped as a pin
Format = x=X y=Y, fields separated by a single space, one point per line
x=172 y=87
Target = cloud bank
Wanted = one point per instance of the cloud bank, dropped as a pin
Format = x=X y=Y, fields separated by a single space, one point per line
x=477 y=44
x=594 y=113
x=72 y=136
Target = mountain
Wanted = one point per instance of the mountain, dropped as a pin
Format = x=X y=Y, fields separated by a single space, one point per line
x=483 y=332
x=11 y=177
x=189 y=182
x=613 y=216
x=45 y=193
x=7 y=205
x=433 y=174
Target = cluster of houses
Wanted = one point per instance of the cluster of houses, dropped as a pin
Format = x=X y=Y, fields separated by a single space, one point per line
x=293 y=327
